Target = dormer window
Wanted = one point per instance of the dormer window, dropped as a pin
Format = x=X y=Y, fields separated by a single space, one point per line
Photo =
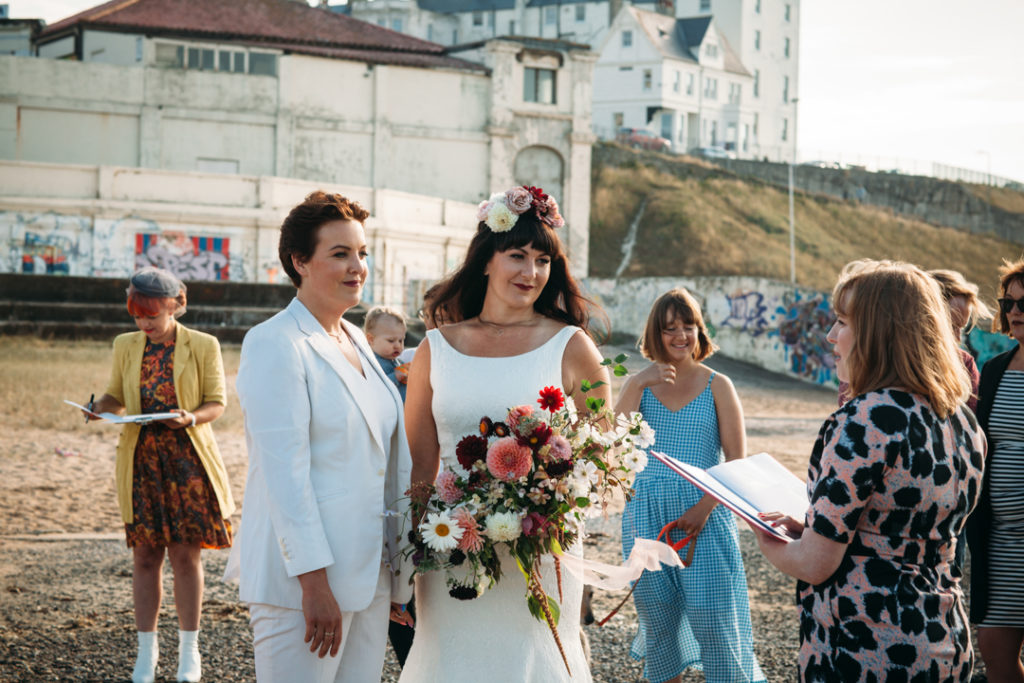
x=627 y=38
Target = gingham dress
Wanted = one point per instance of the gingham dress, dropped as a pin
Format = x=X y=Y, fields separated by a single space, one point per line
x=699 y=616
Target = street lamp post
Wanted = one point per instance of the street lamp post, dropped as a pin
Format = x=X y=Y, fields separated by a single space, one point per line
x=988 y=181
x=792 y=225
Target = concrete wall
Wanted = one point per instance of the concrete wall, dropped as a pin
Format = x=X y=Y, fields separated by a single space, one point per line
x=941 y=202
x=102 y=221
x=760 y=321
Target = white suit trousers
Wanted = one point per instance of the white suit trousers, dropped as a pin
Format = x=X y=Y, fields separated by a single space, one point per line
x=282 y=656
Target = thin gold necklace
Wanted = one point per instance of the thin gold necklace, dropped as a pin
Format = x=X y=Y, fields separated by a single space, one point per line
x=499 y=328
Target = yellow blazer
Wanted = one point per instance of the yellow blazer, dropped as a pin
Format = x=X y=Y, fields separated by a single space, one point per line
x=198 y=379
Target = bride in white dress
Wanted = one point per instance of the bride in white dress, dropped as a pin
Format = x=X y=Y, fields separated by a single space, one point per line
x=523 y=328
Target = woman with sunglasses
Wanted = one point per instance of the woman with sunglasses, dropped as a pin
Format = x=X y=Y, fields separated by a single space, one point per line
x=995 y=532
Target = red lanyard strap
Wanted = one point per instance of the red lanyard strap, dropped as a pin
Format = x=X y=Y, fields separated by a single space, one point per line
x=666 y=531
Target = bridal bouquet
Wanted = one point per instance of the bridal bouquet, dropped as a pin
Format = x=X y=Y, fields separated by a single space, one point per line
x=526 y=480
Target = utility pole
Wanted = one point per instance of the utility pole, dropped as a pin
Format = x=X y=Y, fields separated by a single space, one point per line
x=792 y=223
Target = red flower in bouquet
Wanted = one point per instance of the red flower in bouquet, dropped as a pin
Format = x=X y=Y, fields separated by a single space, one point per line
x=470 y=450
x=509 y=460
x=535 y=524
x=537 y=437
x=551 y=399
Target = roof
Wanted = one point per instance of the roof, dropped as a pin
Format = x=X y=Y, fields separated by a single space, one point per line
x=528 y=42
x=282 y=24
x=681 y=38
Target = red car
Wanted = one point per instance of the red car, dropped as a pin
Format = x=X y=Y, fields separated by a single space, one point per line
x=638 y=137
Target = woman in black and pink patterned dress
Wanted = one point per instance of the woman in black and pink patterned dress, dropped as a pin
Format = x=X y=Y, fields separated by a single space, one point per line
x=892 y=477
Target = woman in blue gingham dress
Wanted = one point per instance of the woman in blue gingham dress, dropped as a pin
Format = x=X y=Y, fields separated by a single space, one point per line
x=698 y=616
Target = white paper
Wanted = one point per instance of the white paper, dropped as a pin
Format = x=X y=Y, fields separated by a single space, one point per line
x=124 y=419
x=772 y=488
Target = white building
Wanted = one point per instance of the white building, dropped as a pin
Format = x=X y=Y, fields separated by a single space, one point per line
x=677 y=78
x=765 y=35
x=452 y=22
x=277 y=88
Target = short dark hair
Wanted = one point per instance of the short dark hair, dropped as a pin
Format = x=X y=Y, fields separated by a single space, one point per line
x=675 y=304
x=300 y=230
x=1009 y=272
x=462 y=293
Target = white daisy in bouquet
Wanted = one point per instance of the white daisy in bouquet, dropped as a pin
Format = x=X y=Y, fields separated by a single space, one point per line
x=527 y=481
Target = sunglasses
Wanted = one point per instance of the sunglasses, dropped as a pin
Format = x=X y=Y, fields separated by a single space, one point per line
x=1006 y=305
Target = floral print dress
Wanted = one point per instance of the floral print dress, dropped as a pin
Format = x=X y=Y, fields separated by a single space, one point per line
x=172 y=499
x=895 y=483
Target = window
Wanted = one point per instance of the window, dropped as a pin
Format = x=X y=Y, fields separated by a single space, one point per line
x=711 y=50
x=224 y=61
x=138 y=49
x=617 y=120
x=478 y=18
x=239 y=65
x=757 y=40
x=677 y=82
x=551 y=15
x=262 y=64
x=757 y=82
x=455 y=36
x=785 y=129
x=785 y=88
x=627 y=38
x=705 y=5
x=539 y=85
x=396 y=24
x=757 y=119
x=647 y=79
x=787 y=11
x=625 y=68
x=734 y=93
x=785 y=48
x=168 y=55
x=512 y=27
x=689 y=84
x=711 y=88
x=382 y=22
x=581 y=12
x=430 y=32
x=757 y=6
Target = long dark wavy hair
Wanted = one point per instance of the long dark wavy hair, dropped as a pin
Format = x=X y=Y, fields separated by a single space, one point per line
x=462 y=293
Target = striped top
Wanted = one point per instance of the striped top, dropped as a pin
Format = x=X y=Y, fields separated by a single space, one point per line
x=1006 y=483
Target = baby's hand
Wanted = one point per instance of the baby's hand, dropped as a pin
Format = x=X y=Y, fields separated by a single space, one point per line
x=402 y=373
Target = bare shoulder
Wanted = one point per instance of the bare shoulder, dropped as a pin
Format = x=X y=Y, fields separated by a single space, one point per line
x=582 y=348
x=721 y=385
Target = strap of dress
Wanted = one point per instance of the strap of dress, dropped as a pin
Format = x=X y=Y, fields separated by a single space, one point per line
x=712 y=377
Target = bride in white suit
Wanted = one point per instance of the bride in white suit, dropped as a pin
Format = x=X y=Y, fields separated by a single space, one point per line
x=328 y=466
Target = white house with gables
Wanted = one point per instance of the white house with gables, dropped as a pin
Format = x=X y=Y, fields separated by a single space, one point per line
x=678 y=78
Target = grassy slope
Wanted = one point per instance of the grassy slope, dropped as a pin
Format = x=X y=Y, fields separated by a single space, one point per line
x=722 y=225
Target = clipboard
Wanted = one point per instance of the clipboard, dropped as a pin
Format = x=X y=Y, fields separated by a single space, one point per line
x=111 y=418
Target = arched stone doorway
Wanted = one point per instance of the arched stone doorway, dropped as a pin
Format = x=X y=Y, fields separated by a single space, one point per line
x=542 y=167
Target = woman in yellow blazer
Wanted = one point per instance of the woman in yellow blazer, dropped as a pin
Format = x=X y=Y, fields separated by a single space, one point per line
x=172 y=487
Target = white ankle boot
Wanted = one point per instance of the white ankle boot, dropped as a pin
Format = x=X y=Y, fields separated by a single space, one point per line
x=145 y=661
x=189 y=666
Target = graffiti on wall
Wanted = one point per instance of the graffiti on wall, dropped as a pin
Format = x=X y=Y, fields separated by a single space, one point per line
x=803 y=327
x=190 y=258
x=747 y=313
x=46 y=244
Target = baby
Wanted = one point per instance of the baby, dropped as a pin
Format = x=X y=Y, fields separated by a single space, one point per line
x=385 y=331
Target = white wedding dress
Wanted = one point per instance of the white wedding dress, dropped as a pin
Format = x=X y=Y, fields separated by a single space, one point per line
x=492 y=638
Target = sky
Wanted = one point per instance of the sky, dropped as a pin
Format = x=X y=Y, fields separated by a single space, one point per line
x=884 y=83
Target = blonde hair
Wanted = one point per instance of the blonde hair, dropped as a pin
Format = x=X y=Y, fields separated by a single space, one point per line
x=377 y=313
x=1009 y=272
x=902 y=336
x=952 y=284
x=677 y=304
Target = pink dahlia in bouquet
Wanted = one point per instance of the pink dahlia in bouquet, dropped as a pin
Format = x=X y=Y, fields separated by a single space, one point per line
x=525 y=481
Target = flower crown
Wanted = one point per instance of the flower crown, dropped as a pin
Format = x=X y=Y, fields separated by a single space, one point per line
x=503 y=209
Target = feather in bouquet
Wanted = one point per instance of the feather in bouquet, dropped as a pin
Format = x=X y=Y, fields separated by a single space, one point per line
x=526 y=480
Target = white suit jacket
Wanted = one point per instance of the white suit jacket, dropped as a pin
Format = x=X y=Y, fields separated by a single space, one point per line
x=319 y=483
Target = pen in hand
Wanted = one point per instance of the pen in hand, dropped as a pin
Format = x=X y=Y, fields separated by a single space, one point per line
x=92 y=399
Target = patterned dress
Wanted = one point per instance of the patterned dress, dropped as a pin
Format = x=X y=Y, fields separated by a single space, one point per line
x=172 y=499
x=699 y=616
x=895 y=483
